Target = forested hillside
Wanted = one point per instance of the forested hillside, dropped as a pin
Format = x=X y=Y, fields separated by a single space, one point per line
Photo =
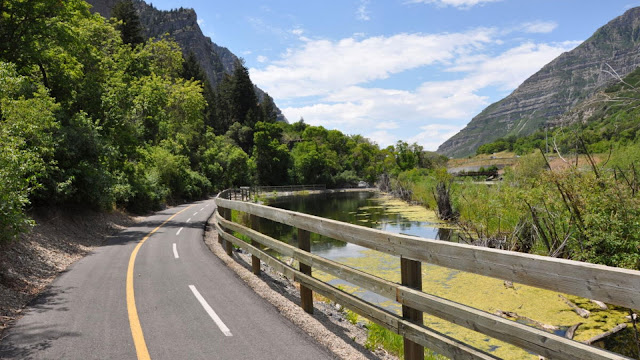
x=92 y=114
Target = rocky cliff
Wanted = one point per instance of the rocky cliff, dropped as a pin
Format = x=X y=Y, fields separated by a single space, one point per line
x=182 y=25
x=569 y=79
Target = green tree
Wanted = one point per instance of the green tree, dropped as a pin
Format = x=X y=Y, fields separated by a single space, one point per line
x=242 y=135
x=27 y=123
x=191 y=70
x=268 y=109
x=406 y=158
x=310 y=165
x=272 y=158
x=243 y=96
x=128 y=22
x=364 y=160
x=224 y=163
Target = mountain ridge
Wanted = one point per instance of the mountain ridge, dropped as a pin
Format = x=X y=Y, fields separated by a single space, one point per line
x=182 y=25
x=567 y=80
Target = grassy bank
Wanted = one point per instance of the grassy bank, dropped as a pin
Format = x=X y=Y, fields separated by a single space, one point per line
x=586 y=212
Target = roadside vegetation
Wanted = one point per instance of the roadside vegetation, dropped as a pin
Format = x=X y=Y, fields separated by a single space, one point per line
x=581 y=213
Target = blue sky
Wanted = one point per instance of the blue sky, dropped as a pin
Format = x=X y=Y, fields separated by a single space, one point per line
x=412 y=70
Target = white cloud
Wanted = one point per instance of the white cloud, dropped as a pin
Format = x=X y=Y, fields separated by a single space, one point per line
x=363 y=13
x=429 y=136
x=200 y=22
x=321 y=66
x=387 y=125
x=460 y=4
x=297 y=31
x=433 y=135
x=327 y=82
x=512 y=67
x=382 y=138
x=262 y=59
x=539 y=27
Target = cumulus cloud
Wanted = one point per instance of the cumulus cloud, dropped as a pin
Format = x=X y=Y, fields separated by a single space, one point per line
x=460 y=4
x=321 y=66
x=387 y=125
x=262 y=59
x=539 y=27
x=382 y=138
x=431 y=136
x=512 y=67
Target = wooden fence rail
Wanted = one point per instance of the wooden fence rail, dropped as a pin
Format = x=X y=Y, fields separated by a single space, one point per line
x=611 y=285
x=246 y=192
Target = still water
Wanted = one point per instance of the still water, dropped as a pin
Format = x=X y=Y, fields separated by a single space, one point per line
x=363 y=208
x=377 y=211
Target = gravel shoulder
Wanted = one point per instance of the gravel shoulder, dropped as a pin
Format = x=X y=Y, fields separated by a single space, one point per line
x=327 y=325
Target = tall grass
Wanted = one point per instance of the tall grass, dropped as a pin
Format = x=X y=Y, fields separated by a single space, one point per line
x=378 y=336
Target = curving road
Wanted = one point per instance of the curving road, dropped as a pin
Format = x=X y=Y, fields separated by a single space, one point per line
x=155 y=291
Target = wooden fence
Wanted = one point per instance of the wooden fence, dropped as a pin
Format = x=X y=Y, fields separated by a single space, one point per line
x=246 y=192
x=608 y=284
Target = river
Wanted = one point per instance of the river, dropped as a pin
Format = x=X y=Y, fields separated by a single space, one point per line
x=372 y=209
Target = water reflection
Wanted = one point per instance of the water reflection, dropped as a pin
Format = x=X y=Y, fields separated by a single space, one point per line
x=360 y=208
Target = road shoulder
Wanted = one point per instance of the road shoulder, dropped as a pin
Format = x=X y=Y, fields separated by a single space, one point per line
x=327 y=326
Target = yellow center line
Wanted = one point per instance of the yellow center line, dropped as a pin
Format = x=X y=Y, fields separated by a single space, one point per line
x=134 y=321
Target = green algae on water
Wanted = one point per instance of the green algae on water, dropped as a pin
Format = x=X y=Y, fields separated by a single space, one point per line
x=487 y=294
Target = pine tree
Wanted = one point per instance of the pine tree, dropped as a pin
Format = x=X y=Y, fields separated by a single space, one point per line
x=268 y=109
x=243 y=95
x=191 y=70
x=130 y=28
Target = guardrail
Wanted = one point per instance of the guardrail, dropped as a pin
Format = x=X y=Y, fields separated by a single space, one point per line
x=608 y=284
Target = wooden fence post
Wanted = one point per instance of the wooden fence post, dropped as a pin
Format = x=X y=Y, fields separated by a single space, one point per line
x=255 y=261
x=411 y=276
x=306 y=295
x=227 y=244
x=221 y=212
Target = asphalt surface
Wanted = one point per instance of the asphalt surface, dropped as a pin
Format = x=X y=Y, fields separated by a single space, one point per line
x=84 y=313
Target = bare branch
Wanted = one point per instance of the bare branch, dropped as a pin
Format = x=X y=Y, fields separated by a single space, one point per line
x=615 y=74
x=555 y=147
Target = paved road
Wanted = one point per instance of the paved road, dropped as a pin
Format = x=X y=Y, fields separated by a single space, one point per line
x=189 y=304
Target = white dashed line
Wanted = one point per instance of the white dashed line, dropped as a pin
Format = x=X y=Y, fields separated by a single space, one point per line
x=195 y=213
x=175 y=251
x=201 y=209
x=225 y=330
x=178 y=233
x=189 y=219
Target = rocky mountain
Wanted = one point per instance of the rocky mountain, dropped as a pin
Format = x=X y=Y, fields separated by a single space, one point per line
x=559 y=86
x=182 y=25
